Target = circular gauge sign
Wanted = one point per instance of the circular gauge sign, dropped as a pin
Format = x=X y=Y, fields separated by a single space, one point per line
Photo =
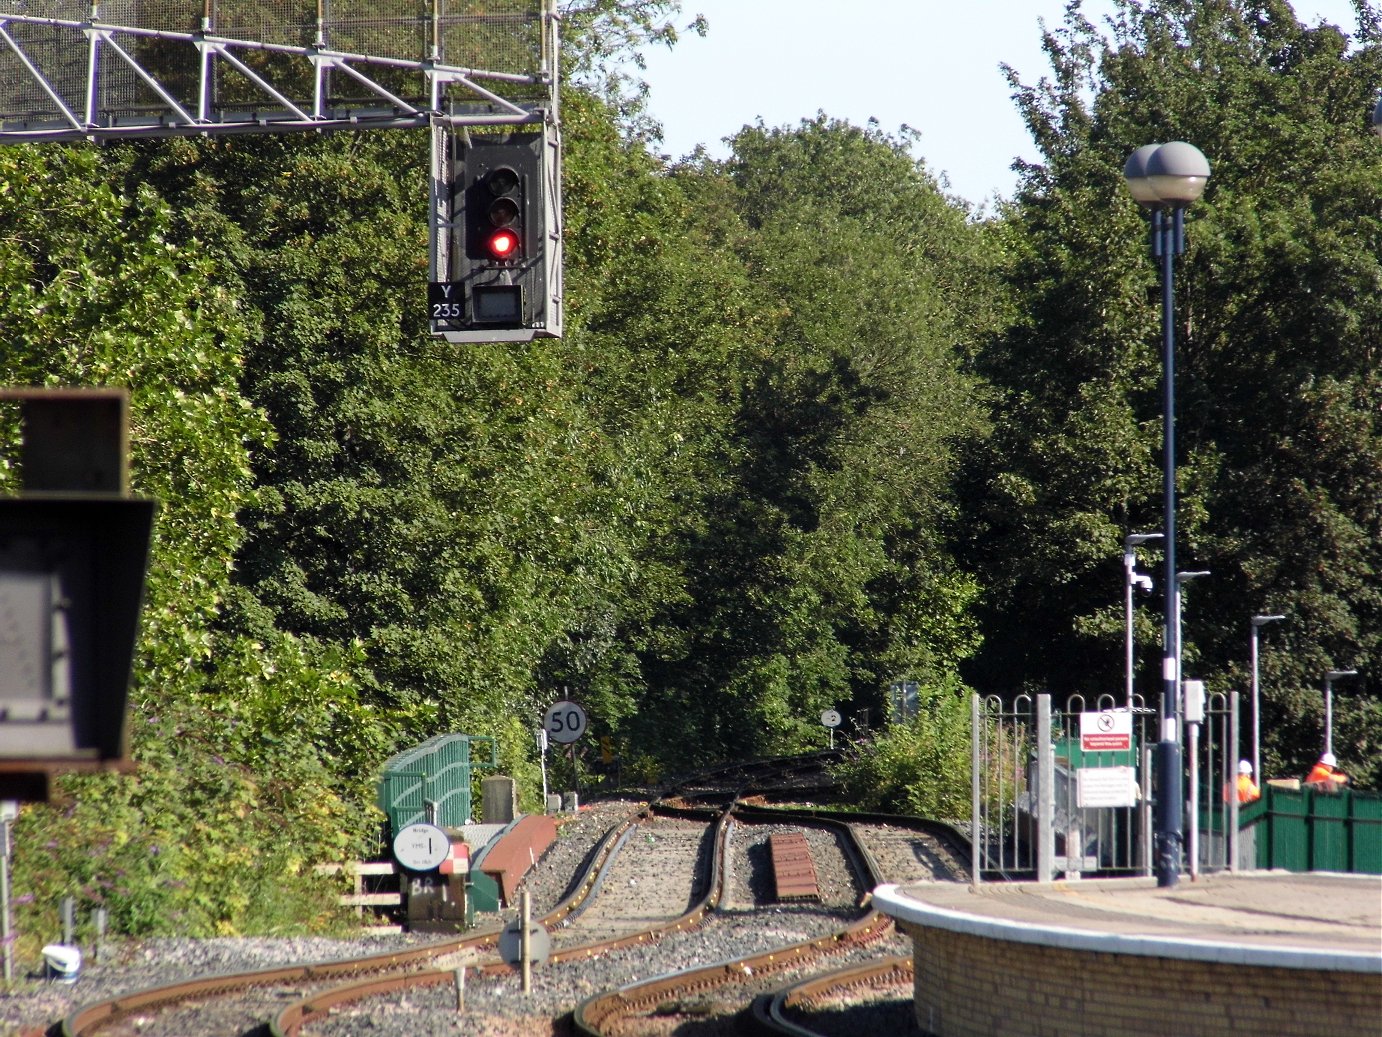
x=421 y=847
x=830 y=718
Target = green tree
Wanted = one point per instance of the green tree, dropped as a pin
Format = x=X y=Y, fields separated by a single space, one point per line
x=815 y=562
x=1278 y=385
x=97 y=292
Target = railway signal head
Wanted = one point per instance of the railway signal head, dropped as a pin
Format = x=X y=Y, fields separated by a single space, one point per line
x=501 y=229
x=503 y=272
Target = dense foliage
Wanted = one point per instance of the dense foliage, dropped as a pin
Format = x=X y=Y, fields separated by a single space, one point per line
x=1279 y=384
x=813 y=428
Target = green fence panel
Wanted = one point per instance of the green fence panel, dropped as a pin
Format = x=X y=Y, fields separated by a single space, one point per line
x=1329 y=825
x=1306 y=830
x=436 y=773
x=1366 y=848
x=1288 y=841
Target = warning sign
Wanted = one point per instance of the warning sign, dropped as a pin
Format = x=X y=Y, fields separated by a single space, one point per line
x=1105 y=787
x=1108 y=731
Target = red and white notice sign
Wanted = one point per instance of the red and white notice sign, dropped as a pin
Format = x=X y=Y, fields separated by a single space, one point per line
x=1107 y=731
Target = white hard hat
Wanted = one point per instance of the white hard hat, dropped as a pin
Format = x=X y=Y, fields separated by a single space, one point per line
x=1244 y=767
x=1328 y=760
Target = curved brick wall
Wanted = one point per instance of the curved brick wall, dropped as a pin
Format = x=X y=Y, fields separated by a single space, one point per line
x=984 y=976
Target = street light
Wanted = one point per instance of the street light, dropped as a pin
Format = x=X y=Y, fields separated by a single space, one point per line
x=1329 y=679
x=1166 y=178
x=1132 y=579
x=1258 y=622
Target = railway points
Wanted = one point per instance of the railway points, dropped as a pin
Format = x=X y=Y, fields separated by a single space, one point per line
x=704 y=934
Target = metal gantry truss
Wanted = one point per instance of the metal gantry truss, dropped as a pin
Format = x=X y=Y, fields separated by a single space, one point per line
x=86 y=78
x=283 y=66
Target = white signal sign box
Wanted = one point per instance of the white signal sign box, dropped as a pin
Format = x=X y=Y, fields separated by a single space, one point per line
x=1106 y=731
x=421 y=847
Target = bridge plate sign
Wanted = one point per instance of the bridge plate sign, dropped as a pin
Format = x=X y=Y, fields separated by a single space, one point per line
x=1107 y=731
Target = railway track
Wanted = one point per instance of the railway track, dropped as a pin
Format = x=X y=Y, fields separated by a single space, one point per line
x=883 y=848
x=670 y=885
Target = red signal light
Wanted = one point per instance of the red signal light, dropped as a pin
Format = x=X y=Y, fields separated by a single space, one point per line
x=503 y=243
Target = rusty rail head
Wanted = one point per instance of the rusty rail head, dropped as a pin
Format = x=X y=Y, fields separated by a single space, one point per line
x=88 y=1019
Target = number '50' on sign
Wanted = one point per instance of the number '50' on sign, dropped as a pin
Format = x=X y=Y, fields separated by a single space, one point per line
x=564 y=721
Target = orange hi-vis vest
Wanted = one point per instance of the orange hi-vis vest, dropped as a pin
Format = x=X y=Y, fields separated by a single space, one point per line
x=1247 y=789
x=1323 y=774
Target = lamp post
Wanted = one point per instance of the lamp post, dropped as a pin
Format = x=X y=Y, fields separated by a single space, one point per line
x=1190 y=711
x=1166 y=178
x=1258 y=622
x=1329 y=679
x=1131 y=579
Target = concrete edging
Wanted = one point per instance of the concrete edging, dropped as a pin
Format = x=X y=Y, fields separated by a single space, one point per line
x=890 y=900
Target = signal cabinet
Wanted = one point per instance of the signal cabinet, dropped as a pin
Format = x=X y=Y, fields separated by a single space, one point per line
x=504 y=255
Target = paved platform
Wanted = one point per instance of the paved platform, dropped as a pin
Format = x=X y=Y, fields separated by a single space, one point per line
x=1336 y=914
x=1255 y=952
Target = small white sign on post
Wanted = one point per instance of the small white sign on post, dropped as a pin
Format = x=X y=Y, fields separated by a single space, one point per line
x=831 y=719
x=1106 y=787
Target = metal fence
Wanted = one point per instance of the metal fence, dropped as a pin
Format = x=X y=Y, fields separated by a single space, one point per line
x=1069 y=792
x=1305 y=829
x=431 y=782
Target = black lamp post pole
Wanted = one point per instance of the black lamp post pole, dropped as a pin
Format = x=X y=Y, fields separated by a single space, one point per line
x=1168 y=825
x=1165 y=178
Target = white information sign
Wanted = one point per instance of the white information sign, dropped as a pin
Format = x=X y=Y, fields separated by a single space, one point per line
x=564 y=721
x=1106 y=787
x=421 y=847
x=1107 y=731
x=830 y=718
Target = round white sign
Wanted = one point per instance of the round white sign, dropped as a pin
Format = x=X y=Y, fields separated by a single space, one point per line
x=830 y=718
x=511 y=943
x=564 y=721
x=421 y=847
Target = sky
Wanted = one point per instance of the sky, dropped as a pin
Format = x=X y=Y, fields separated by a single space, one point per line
x=932 y=65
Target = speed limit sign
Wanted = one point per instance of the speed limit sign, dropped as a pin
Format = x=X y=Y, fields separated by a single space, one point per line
x=564 y=721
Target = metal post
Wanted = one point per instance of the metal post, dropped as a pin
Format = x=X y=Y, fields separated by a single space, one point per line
x=1256 y=712
x=1046 y=793
x=1147 y=759
x=1131 y=541
x=1168 y=798
x=1328 y=715
x=1194 y=717
x=1129 y=560
x=8 y=952
x=542 y=759
x=69 y=920
x=1258 y=622
x=525 y=942
x=1231 y=781
x=1329 y=679
x=977 y=837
